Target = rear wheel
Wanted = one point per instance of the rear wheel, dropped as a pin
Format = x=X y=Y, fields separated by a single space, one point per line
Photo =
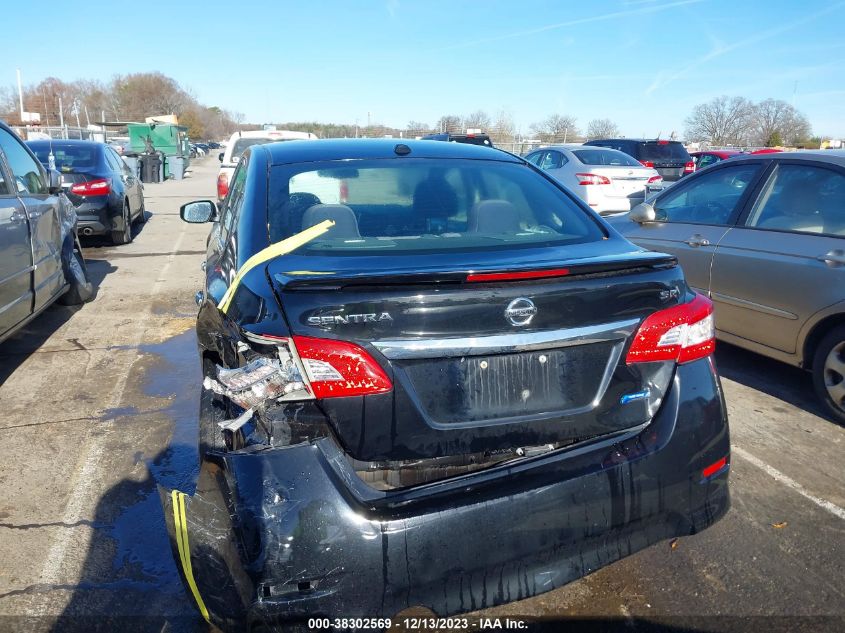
x=76 y=275
x=829 y=372
x=123 y=236
x=142 y=214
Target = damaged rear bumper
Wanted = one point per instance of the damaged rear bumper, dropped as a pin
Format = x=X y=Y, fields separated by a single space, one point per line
x=290 y=533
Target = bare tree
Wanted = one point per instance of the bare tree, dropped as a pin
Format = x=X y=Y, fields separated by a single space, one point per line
x=556 y=128
x=602 y=128
x=777 y=122
x=722 y=121
x=416 y=128
x=449 y=123
x=503 y=129
x=477 y=120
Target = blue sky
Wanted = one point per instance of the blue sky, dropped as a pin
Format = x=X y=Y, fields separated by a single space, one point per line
x=642 y=63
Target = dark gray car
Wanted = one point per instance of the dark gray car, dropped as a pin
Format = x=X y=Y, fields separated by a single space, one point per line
x=764 y=237
x=40 y=257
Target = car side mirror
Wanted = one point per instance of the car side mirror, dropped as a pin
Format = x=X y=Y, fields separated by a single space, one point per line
x=642 y=213
x=198 y=212
x=220 y=157
x=55 y=178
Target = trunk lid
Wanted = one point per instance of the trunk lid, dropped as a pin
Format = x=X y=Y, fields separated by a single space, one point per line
x=625 y=182
x=483 y=367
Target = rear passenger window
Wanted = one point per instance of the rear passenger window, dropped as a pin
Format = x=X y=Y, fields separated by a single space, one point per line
x=711 y=198
x=553 y=160
x=4 y=186
x=534 y=158
x=801 y=198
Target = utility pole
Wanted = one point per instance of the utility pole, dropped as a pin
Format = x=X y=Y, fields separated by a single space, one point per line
x=62 y=118
x=20 y=93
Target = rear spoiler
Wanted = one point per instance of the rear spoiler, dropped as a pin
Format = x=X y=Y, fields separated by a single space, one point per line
x=315 y=280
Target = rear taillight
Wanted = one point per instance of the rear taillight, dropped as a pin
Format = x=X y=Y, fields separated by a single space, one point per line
x=682 y=333
x=689 y=167
x=647 y=163
x=222 y=185
x=592 y=179
x=344 y=191
x=99 y=187
x=336 y=368
x=655 y=179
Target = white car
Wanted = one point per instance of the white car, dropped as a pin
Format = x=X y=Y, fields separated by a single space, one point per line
x=606 y=179
x=238 y=143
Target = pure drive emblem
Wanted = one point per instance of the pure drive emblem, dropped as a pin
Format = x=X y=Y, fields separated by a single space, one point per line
x=520 y=311
x=346 y=319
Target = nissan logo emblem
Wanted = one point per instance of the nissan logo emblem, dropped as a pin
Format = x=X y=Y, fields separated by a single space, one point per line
x=520 y=311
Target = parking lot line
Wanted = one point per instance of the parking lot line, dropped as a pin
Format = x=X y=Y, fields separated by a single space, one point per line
x=834 y=509
x=85 y=477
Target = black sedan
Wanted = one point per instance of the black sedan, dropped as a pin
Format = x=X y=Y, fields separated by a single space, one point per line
x=107 y=195
x=433 y=376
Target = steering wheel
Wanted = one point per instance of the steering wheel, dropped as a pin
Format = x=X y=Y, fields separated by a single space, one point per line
x=711 y=211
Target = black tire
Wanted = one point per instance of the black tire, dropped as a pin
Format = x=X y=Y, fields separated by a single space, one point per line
x=212 y=410
x=829 y=372
x=123 y=236
x=81 y=290
x=142 y=215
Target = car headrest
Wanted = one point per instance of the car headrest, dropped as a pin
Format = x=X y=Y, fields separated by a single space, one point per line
x=493 y=216
x=345 y=222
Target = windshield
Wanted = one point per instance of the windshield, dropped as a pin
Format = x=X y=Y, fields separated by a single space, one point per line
x=425 y=205
x=663 y=151
x=605 y=157
x=76 y=158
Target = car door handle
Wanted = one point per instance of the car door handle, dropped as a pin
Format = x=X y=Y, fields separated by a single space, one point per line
x=17 y=217
x=697 y=240
x=833 y=258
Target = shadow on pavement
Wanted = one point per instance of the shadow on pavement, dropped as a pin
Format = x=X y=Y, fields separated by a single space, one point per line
x=29 y=339
x=129 y=579
x=779 y=380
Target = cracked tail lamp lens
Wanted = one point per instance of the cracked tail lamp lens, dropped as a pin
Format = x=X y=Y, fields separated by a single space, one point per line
x=681 y=333
x=338 y=369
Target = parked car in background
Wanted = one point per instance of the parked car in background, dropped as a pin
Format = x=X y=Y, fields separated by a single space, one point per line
x=709 y=157
x=470 y=138
x=669 y=158
x=764 y=237
x=108 y=197
x=606 y=179
x=461 y=356
x=237 y=145
x=40 y=257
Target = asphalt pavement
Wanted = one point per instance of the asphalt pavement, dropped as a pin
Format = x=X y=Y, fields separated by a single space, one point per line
x=99 y=406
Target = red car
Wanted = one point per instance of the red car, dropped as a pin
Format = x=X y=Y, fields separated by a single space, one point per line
x=703 y=159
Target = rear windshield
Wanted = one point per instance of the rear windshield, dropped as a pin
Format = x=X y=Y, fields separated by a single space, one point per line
x=401 y=206
x=76 y=158
x=663 y=151
x=605 y=157
x=242 y=143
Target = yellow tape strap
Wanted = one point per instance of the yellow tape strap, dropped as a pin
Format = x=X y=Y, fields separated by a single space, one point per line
x=274 y=250
x=180 y=524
